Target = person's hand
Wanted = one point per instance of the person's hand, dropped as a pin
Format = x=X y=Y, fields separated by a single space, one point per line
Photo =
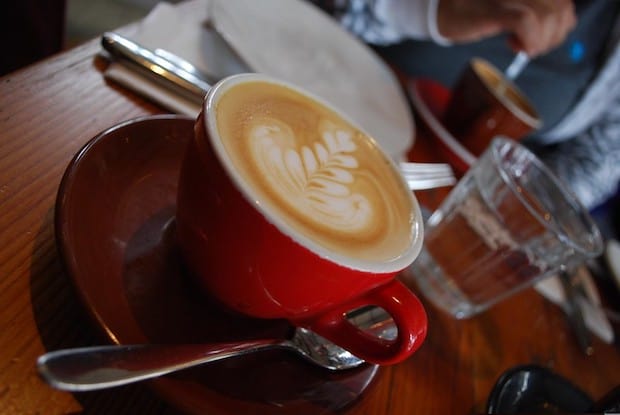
x=536 y=26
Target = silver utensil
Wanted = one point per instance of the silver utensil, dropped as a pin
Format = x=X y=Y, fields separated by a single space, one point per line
x=188 y=67
x=574 y=314
x=99 y=367
x=515 y=68
x=517 y=65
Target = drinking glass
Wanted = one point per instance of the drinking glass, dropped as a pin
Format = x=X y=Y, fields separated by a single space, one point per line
x=507 y=224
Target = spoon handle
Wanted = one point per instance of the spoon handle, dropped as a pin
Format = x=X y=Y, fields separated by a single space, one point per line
x=157 y=67
x=519 y=62
x=99 y=367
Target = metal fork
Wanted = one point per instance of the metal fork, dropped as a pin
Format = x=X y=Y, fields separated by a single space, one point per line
x=420 y=176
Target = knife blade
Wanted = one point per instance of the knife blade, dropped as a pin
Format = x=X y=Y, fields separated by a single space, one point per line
x=158 y=68
x=575 y=317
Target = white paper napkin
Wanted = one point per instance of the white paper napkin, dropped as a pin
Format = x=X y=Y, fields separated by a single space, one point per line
x=179 y=29
x=594 y=317
x=147 y=88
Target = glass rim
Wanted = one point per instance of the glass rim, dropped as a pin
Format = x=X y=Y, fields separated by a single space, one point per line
x=497 y=147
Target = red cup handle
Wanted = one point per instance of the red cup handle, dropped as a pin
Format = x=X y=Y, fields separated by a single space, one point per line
x=396 y=299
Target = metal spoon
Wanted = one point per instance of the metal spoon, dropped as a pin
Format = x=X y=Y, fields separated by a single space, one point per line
x=574 y=313
x=99 y=367
x=517 y=65
x=513 y=70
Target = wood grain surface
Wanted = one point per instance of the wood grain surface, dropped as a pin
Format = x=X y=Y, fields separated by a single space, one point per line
x=49 y=110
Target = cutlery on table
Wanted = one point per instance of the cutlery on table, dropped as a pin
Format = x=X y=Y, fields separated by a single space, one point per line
x=100 y=367
x=519 y=62
x=158 y=68
x=574 y=314
x=517 y=65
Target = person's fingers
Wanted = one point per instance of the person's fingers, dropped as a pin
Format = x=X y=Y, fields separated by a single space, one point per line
x=568 y=21
x=556 y=23
x=467 y=21
x=536 y=26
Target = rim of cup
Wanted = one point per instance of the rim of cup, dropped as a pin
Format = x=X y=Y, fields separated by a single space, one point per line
x=589 y=247
x=371 y=266
x=524 y=110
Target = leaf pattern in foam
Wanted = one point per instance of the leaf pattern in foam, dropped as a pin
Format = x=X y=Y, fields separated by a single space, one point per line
x=315 y=179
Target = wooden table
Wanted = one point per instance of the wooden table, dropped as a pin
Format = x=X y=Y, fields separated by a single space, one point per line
x=49 y=110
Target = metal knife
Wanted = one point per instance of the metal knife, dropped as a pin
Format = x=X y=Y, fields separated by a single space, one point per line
x=574 y=314
x=185 y=81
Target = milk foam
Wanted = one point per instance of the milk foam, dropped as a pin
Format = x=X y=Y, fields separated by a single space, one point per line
x=314 y=171
x=314 y=179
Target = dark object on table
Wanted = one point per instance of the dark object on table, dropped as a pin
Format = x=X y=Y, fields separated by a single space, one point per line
x=30 y=30
x=610 y=403
x=536 y=389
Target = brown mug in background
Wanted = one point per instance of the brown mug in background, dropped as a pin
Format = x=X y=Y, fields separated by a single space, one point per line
x=486 y=104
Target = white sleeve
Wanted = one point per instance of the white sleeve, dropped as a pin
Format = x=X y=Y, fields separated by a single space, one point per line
x=390 y=21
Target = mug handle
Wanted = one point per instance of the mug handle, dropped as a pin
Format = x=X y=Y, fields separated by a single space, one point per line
x=399 y=302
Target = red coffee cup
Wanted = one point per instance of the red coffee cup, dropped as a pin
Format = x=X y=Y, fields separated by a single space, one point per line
x=246 y=253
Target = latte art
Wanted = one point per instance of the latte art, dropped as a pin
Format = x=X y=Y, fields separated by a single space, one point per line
x=312 y=170
x=314 y=179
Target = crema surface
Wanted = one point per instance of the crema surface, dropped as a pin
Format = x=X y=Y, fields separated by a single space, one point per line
x=308 y=166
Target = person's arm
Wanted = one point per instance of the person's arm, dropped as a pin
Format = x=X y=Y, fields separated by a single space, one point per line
x=384 y=22
x=536 y=26
x=590 y=163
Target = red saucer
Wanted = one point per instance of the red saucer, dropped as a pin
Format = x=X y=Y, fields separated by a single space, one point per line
x=430 y=100
x=115 y=231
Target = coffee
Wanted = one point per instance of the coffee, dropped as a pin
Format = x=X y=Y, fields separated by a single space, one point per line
x=484 y=104
x=306 y=165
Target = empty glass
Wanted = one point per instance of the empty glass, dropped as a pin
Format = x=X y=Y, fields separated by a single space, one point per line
x=508 y=223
